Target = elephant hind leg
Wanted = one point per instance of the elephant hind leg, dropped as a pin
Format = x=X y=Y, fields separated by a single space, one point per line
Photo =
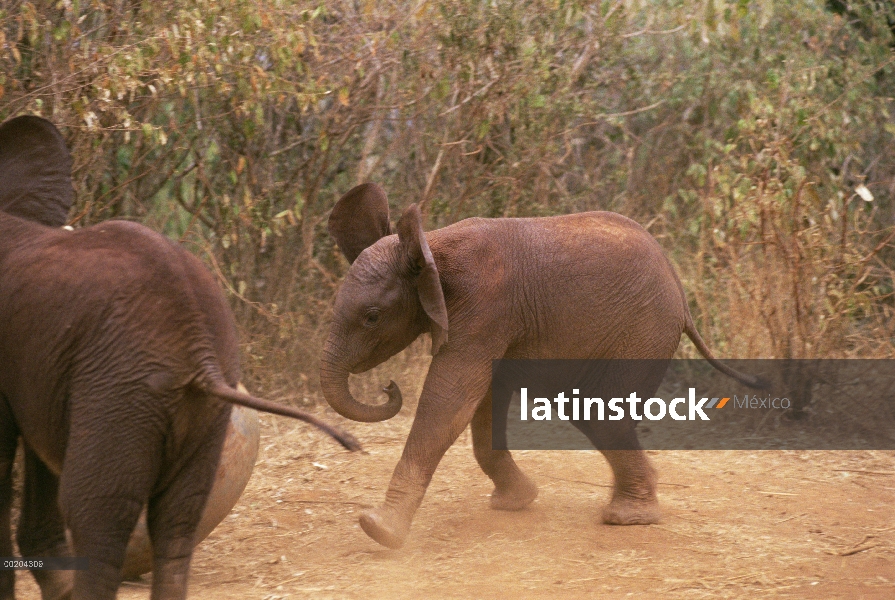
x=174 y=512
x=513 y=490
x=101 y=514
x=41 y=530
x=634 y=499
x=112 y=461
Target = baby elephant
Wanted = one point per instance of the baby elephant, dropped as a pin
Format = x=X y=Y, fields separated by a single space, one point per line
x=591 y=285
x=118 y=365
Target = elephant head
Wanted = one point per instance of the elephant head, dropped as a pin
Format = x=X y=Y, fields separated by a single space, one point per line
x=35 y=171
x=391 y=294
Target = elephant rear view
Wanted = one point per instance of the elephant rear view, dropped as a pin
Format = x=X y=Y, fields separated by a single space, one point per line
x=119 y=362
x=583 y=286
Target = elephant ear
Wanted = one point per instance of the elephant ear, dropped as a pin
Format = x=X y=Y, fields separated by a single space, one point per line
x=35 y=171
x=422 y=266
x=359 y=219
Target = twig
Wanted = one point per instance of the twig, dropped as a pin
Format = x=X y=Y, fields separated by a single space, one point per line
x=579 y=481
x=682 y=485
x=481 y=91
x=604 y=116
x=663 y=528
x=865 y=471
x=879 y=247
x=790 y=518
x=856 y=550
x=652 y=32
x=290 y=580
x=326 y=502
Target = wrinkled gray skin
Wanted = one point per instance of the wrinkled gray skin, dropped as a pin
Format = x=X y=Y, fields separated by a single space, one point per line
x=591 y=285
x=118 y=363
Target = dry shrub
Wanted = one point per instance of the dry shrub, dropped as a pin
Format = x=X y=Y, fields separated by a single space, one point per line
x=738 y=131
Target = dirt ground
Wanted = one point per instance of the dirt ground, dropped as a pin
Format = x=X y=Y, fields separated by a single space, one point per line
x=756 y=524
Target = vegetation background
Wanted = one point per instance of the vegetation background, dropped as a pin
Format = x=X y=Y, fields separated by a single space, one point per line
x=753 y=138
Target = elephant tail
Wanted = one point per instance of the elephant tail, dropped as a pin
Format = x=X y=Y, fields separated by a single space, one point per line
x=225 y=392
x=752 y=381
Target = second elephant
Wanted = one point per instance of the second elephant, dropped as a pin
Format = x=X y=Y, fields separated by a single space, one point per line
x=584 y=286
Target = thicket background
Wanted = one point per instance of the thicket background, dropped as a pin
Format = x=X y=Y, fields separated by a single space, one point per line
x=753 y=138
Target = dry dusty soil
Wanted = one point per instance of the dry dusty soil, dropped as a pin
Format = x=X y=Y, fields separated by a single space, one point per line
x=736 y=524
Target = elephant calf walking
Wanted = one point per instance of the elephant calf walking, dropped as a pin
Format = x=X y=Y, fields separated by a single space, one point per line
x=590 y=285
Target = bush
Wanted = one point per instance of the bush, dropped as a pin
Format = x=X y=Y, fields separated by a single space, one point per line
x=753 y=138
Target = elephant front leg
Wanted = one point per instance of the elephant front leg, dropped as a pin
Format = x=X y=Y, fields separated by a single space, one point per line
x=390 y=523
x=41 y=529
x=512 y=489
x=452 y=389
x=174 y=514
x=7 y=578
x=8 y=441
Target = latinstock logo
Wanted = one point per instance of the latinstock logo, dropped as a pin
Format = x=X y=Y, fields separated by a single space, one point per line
x=587 y=409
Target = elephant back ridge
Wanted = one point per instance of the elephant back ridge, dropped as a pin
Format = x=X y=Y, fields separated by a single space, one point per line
x=523 y=260
x=144 y=281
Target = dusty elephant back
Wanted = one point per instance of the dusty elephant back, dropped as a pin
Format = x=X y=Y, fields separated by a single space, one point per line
x=553 y=277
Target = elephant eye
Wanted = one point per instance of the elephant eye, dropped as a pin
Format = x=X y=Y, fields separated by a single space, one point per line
x=371 y=318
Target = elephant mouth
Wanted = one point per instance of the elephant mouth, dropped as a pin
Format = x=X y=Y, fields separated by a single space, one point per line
x=364 y=366
x=374 y=361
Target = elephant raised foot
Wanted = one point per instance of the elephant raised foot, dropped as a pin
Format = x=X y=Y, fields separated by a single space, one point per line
x=515 y=496
x=388 y=527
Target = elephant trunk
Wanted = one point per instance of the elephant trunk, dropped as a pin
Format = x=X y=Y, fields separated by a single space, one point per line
x=334 y=381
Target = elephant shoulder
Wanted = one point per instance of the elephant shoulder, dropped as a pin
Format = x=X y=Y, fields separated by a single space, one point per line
x=127 y=231
x=471 y=239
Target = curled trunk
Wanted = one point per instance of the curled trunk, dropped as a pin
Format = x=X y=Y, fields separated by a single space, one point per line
x=334 y=381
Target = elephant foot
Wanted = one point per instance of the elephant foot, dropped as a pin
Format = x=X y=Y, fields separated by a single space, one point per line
x=385 y=526
x=627 y=511
x=516 y=496
x=55 y=585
